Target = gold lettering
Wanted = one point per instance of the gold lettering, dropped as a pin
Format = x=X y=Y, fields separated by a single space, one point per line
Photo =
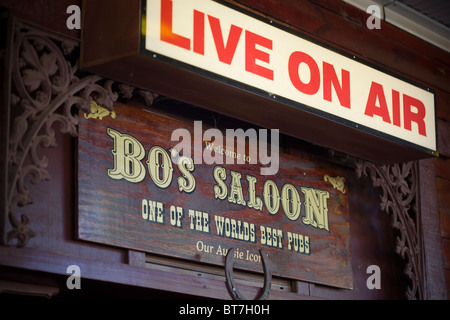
x=187 y=182
x=236 y=189
x=290 y=200
x=199 y=221
x=160 y=167
x=298 y=243
x=271 y=237
x=152 y=211
x=220 y=189
x=316 y=208
x=254 y=201
x=128 y=153
x=271 y=196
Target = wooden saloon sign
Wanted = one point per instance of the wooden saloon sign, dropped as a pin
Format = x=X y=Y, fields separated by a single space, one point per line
x=137 y=191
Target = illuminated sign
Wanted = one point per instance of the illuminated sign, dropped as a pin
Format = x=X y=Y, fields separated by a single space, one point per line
x=218 y=41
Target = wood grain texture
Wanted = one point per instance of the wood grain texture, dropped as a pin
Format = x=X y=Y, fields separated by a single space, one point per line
x=432 y=248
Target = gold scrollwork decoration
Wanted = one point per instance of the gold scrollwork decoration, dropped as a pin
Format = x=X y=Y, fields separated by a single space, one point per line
x=337 y=182
x=98 y=112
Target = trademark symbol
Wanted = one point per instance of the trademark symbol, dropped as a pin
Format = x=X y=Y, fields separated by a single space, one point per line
x=373 y=281
x=74 y=21
x=373 y=22
x=73 y=281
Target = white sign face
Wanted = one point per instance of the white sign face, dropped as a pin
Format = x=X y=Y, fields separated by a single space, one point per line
x=214 y=37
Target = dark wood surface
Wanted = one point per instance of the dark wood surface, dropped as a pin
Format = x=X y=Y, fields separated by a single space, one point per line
x=334 y=22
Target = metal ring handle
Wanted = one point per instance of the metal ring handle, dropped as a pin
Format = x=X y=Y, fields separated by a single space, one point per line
x=234 y=292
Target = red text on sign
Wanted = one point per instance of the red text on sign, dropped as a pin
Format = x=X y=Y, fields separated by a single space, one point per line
x=413 y=109
x=330 y=79
x=225 y=48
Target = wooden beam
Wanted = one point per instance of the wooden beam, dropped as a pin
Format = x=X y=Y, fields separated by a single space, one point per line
x=121 y=273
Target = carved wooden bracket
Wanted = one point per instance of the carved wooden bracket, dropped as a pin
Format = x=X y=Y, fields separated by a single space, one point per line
x=399 y=196
x=47 y=89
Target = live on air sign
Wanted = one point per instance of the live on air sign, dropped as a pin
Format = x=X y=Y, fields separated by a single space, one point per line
x=212 y=36
x=222 y=57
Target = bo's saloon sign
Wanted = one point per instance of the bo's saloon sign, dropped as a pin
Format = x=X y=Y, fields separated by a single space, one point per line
x=134 y=194
x=218 y=40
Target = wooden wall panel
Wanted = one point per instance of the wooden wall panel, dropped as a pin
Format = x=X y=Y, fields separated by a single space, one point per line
x=431 y=233
x=372 y=243
x=443 y=187
x=446 y=249
x=445 y=222
x=444 y=138
x=447 y=280
x=443 y=168
x=52 y=213
x=48 y=14
x=333 y=22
